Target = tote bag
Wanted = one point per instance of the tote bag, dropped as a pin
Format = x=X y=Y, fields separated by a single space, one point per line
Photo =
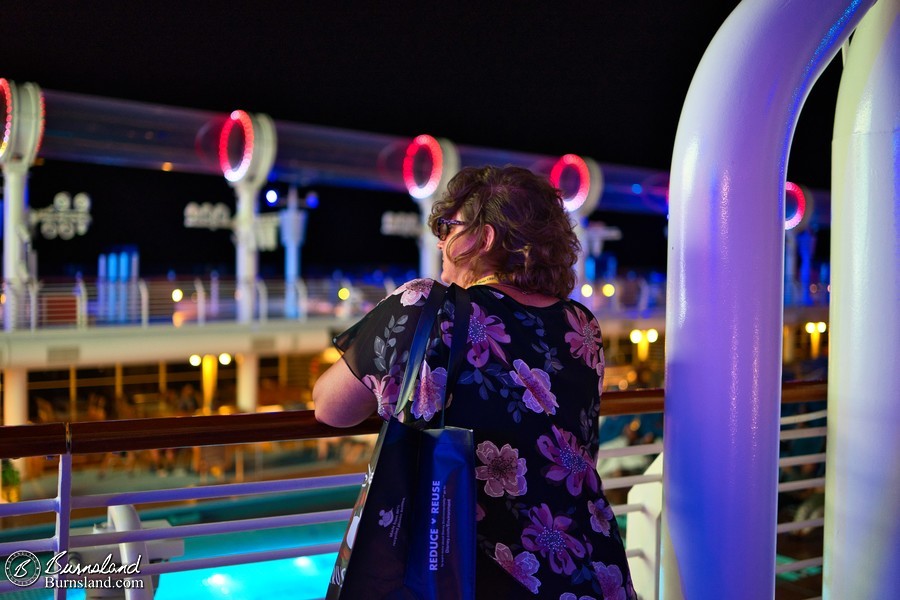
x=412 y=530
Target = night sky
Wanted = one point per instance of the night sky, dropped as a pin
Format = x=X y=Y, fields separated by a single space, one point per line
x=602 y=79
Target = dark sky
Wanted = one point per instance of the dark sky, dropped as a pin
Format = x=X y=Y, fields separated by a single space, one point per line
x=605 y=79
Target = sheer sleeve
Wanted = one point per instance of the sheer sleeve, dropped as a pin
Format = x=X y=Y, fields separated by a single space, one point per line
x=376 y=349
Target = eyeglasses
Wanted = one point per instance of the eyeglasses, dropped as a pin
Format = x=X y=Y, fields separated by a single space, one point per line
x=444 y=226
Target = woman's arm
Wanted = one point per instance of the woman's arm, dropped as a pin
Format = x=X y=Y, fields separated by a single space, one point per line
x=341 y=399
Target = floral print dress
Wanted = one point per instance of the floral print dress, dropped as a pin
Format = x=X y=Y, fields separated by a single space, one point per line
x=529 y=387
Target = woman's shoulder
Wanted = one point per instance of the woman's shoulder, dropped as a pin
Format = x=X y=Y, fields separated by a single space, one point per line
x=575 y=304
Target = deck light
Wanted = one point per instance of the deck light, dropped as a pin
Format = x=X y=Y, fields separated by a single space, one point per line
x=794 y=191
x=433 y=147
x=574 y=201
x=232 y=173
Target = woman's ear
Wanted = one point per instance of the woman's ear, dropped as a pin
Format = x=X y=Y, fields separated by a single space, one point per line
x=489 y=237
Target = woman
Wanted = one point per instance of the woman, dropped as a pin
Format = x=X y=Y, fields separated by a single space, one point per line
x=529 y=386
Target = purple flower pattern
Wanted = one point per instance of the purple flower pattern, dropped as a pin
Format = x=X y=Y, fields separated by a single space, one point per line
x=522 y=416
x=428 y=395
x=503 y=470
x=486 y=333
x=536 y=382
x=570 y=461
x=548 y=535
x=601 y=515
x=386 y=391
x=601 y=372
x=413 y=291
x=611 y=581
x=522 y=567
x=584 y=339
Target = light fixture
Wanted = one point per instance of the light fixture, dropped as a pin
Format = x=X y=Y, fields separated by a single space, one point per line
x=232 y=173
x=433 y=147
x=574 y=201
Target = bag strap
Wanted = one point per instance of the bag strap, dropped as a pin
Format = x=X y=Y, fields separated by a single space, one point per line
x=462 y=312
x=419 y=345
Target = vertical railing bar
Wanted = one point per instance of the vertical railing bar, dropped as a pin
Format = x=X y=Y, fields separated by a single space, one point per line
x=201 y=301
x=145 y=303
x=263 y=294
x=81 y=304
x=32 y=304
x=302 y=300
x=63 y=511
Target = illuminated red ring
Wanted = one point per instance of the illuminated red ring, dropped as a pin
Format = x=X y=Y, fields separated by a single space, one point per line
x=42 y=125
x=795 y=219
x=231 y=173
x=7 y=118
x=437 y=166
x=575 y=201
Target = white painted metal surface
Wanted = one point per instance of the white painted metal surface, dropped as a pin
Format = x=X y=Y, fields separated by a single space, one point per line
x=724 y=293
x=862 y=512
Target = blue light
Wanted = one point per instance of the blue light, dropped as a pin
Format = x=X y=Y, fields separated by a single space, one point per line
x=637 y=188
x=312 y=200
x=271 y=196
x=304 y=578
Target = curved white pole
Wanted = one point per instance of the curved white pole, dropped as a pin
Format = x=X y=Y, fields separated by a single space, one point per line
x=245 y=219
x=862 y=481
x=724 y=308
x=429 y=255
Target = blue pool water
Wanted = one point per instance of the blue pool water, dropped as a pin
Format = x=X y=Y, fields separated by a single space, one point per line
x=298 y=578
x=301 y=578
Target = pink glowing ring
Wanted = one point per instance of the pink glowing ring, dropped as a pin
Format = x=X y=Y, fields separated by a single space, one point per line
x=41 y=125
x=794 y=190
x=236 y=173
x=437 y=166
x=573 y=202
x=7 y=118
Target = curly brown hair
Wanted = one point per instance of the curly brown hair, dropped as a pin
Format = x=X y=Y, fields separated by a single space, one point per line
x=535 y=247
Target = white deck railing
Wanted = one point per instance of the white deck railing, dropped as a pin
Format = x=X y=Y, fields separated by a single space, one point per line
x=642 y=509
x=147 y=302
x=89 y=303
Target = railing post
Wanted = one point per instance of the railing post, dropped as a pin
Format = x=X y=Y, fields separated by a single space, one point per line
x=214 y=295
x=644 y=529
x=302 y=300
x=725 y=306
x=145 y=303
x=201 y=301
x=862 y=488
x=263 y=292
x=32 y=303
x=81 y=304
x=8 y=306
x=63 y=512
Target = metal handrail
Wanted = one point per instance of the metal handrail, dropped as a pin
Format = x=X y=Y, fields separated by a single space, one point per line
x=144 y=434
